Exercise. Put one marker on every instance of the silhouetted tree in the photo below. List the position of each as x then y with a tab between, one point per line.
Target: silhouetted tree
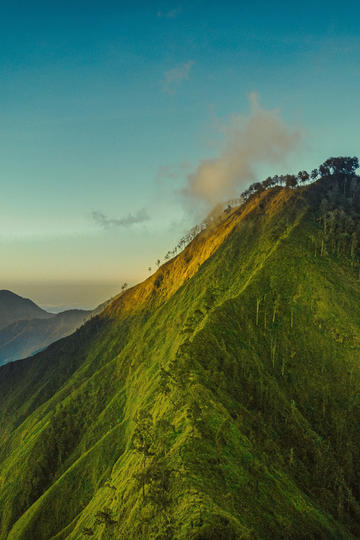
276	180
324	169
257	186
341	165
290	180
303	176
267	183
253	188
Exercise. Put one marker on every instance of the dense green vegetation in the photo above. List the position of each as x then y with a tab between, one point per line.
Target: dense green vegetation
219	399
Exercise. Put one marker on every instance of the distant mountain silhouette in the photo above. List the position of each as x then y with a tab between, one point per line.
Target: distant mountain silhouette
26	329
26	337
15	308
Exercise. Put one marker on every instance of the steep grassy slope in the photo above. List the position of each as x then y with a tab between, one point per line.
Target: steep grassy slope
25	337
218	399
15	308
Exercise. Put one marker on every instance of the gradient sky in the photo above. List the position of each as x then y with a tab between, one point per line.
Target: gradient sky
107	107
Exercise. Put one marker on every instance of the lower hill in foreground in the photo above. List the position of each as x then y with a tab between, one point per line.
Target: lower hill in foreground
219	399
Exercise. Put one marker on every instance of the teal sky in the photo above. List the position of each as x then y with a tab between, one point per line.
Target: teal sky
107	107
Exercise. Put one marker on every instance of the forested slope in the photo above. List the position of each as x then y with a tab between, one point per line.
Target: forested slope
218	399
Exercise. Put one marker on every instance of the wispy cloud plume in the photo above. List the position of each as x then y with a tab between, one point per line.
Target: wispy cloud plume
170	14
108	223
260	138
174	76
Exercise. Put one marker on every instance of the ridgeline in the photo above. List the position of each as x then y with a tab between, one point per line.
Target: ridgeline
218	399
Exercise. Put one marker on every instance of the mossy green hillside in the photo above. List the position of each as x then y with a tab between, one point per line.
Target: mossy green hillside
218	399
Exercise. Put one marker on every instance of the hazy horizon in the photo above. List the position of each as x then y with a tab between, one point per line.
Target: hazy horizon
60	296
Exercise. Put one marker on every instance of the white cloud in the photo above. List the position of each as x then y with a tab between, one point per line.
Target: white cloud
260	138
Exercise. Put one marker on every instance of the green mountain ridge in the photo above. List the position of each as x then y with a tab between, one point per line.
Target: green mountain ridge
217	399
